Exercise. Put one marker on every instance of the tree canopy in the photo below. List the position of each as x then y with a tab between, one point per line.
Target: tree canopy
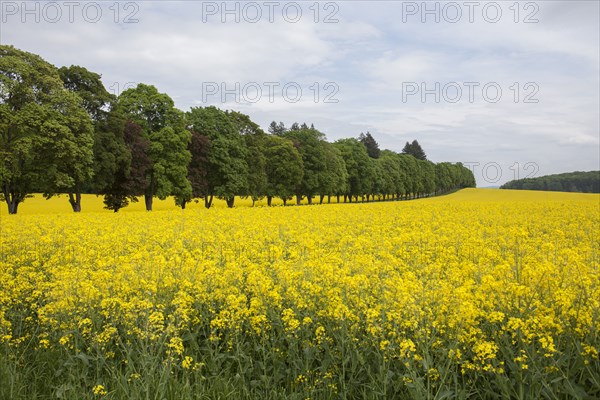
61	131
415	150
164	127
46	135
370	144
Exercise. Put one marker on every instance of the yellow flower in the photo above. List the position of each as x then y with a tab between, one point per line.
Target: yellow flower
176	346
433	374
289	320
590	351
134	377
453	275
65	340
99	390
187	362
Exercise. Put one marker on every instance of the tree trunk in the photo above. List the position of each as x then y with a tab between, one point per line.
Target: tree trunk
12	199
253	201
148	201
269	199
329	199
75	201
321	199
285	202
298	199
208	201
12	205
230	201
309	199
183	203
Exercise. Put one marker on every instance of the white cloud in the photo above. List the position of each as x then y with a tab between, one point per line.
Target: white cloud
368	54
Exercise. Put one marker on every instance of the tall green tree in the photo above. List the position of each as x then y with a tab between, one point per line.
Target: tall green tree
73	159
227	166
393	180
284	168
415	150
129	179
468	179
334	181
371	144
277	128
112	155
110	151
411	172
165	128
254	140
443	177
198	168
427	177
257	167
360	168
46	136
311	146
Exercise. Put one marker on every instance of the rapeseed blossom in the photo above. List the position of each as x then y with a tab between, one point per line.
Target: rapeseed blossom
483	281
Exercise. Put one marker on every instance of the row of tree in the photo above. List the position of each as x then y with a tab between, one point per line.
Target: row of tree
62	132
585	182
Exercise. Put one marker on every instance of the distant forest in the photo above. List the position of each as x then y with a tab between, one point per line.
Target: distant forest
584	182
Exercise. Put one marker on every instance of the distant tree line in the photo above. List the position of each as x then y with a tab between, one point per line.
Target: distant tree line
584	182
61	131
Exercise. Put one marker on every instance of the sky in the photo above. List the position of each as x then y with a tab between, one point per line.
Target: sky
511	89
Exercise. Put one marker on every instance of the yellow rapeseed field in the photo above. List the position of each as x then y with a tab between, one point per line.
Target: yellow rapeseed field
481	293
